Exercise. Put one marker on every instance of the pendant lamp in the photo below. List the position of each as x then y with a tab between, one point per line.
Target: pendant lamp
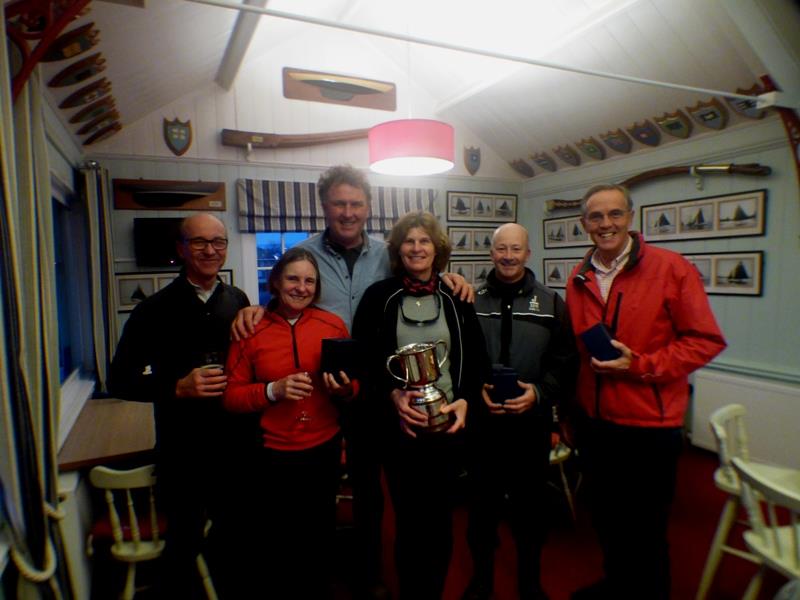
411	147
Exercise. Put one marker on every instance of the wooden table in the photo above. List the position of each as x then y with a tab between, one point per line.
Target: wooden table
106	431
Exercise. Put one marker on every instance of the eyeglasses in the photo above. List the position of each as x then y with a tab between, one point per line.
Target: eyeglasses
420	322
595	218
199	243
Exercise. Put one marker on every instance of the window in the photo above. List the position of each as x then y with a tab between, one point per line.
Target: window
270	247
72	287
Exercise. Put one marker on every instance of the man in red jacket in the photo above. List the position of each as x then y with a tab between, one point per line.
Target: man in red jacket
631	408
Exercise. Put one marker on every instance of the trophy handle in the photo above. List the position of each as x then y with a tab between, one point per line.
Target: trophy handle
389	368
444	356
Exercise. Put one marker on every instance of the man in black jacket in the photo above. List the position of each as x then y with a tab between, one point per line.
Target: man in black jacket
171	353
526	329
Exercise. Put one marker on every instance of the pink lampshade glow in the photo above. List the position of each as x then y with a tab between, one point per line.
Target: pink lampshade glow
411	147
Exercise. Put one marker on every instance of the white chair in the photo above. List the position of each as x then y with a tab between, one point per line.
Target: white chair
136	538
728	426
558	456
772	539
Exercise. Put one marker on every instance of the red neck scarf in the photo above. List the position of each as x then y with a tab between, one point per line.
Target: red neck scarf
415	287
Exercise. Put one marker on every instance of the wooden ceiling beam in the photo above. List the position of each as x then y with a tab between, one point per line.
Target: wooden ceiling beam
243	31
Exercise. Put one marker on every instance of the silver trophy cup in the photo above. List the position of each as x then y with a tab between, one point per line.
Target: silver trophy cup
421	370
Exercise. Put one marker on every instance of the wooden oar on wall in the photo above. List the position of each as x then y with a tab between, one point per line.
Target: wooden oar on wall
249	139
696	170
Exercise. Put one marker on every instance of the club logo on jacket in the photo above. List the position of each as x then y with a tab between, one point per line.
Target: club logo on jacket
533	305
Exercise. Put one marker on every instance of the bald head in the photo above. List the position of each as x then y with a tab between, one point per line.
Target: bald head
203	247
510	252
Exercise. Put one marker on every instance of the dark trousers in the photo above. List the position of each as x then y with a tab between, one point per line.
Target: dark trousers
295	524
366	450
508	473
630	477
422	474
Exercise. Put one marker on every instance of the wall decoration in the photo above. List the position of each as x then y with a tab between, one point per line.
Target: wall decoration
141	194
95	109
98	123
79	71
645	132
253	139
711	114
568	155
472	159
132	288
490	208
557	270
178	135
617	141
521	167
748	108
676	124
545	161
592	148
474	271
314	86
565	233
71	43
470	240
105	132
733	215
730	273
88	93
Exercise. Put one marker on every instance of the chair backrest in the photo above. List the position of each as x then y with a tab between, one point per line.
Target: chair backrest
730	433
122	484
781	540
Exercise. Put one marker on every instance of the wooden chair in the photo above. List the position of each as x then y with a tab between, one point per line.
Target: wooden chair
730	433
136	538
776	544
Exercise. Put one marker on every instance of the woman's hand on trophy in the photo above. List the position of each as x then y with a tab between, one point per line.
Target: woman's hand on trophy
459	409
344	390
296	386
409	416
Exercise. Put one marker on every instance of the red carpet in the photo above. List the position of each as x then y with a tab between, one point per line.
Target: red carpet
572	557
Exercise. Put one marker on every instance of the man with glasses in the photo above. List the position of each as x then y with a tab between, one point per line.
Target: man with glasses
171	353
631	408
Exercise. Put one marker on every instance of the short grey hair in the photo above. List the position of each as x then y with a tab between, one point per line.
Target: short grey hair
606	187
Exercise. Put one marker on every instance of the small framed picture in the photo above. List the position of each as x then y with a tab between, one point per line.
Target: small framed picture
474	271
732	215
489	208
730	273
467	240
132	288
557	270
565	232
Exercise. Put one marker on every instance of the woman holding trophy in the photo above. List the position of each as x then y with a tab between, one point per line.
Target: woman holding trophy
427	363
276	371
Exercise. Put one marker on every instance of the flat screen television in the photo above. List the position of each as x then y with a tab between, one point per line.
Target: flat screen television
154	241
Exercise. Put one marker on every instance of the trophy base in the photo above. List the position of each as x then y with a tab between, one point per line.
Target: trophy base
431	404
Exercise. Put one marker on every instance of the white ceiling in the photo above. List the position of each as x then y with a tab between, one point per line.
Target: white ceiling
159	53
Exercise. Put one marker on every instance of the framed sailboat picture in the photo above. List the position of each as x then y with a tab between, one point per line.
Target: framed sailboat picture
472	241
487	208
730	273
565	233
732	215
557	270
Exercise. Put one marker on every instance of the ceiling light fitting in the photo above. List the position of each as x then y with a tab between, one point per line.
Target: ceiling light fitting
411	147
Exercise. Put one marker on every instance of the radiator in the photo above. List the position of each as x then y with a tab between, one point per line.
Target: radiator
773	414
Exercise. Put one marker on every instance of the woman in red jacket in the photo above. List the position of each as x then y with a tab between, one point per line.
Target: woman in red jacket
276	372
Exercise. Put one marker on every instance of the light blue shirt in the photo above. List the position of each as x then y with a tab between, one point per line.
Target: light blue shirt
341	293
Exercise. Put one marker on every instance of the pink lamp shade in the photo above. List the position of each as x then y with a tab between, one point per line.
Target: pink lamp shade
411	147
